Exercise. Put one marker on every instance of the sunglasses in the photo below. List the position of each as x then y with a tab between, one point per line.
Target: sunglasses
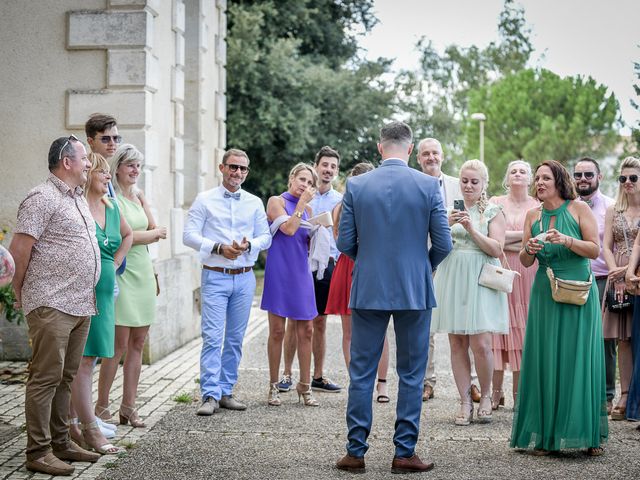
72	138
632	178
587	175
234	168
107	138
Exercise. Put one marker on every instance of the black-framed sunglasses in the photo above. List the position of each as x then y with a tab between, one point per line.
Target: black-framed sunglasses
72	138
234	168
587	175
107	138
631	178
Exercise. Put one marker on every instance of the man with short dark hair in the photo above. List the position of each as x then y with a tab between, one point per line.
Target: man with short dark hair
388	217
326	164
228	227
102	134
57	268
587	178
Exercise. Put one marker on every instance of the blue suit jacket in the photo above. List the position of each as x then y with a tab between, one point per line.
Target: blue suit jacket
388	215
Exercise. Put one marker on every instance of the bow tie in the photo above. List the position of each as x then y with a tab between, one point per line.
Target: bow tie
235	196
589	202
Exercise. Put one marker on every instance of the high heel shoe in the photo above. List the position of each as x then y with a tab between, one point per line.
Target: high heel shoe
484	414
465	414
619	412
130	415
497	400
273	399
304	394
104	449
103	413
381	388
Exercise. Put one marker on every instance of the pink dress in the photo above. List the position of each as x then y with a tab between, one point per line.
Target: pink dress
507	349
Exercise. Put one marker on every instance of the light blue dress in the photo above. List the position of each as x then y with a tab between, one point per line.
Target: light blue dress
464	306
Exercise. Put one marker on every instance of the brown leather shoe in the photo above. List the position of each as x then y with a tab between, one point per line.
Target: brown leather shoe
76	453
49	464
351	464
427	393
410	465
475	393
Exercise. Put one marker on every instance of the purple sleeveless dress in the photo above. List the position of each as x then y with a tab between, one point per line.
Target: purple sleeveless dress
288	282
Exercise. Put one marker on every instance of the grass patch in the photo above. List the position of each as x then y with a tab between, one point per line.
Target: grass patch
127	444
259	281
184	397
196	380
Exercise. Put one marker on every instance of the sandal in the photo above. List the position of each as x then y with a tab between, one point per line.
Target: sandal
130	417
382	391
595	451
103	413
484	415
540	452
497	399
305	395
619	412
273	398
104	449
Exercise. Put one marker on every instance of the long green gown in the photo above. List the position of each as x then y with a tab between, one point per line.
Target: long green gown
561	399
100	342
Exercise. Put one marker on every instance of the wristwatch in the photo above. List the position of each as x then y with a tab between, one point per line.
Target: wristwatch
297	213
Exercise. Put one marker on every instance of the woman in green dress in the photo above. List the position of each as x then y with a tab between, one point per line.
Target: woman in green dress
114	239
136	302
561	400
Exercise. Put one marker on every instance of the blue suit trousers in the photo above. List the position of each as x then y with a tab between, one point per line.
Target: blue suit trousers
412	344
226	305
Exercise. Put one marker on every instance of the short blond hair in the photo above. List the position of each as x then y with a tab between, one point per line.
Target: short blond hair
299	167
125	154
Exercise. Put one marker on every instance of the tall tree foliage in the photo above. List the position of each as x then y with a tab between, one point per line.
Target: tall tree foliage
635	132
537	115
437	95
295	83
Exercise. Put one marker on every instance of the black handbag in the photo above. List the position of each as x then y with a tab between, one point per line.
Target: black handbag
613	304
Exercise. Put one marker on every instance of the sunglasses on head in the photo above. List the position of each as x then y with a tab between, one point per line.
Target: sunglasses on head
632	178
107	138
72	138
234	168
587	175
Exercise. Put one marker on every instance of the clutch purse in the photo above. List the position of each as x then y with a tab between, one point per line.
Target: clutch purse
613	304
497	277
574	292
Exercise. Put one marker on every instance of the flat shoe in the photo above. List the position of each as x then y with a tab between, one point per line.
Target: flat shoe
49	464
77	454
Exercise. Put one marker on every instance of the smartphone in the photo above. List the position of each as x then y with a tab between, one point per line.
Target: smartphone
458	205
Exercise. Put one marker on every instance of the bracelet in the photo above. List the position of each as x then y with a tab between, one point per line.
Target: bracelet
526	250
571	245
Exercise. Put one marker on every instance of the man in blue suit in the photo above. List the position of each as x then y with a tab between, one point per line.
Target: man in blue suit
388	216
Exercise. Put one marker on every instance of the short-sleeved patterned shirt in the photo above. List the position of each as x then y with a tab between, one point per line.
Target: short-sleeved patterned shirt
65	260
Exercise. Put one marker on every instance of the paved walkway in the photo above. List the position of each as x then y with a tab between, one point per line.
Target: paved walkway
292	441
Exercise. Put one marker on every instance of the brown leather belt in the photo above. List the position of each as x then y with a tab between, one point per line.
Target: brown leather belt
228	271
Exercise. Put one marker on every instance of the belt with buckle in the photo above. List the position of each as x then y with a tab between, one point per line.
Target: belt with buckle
228	271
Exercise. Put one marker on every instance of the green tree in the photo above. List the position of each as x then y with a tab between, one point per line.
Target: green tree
635	132
537	115
437	95
296	84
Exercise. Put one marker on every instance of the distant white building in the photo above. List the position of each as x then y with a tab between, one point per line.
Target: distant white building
158	66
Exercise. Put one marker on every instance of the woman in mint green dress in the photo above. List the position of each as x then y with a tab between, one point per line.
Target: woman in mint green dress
561	400
136	302
114	239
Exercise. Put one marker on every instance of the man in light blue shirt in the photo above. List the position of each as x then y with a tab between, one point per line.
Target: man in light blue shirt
326	163
228	227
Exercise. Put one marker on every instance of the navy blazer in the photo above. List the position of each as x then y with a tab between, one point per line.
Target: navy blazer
388	216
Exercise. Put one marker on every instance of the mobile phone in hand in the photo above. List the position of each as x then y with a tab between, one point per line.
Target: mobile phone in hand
458	205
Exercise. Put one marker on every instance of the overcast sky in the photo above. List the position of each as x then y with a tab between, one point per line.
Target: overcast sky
586	37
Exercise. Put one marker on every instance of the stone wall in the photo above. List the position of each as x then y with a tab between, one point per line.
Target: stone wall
158	66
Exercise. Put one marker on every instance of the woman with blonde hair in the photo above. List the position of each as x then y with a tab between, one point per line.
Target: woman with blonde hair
620	232
470	313
288	284
507	349
136	302
114	239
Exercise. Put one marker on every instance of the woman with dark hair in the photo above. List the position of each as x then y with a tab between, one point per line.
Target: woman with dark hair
561	399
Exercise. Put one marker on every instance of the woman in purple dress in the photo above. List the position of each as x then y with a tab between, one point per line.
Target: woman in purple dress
288	282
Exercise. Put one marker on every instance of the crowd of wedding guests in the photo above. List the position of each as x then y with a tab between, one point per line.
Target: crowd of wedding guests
549	226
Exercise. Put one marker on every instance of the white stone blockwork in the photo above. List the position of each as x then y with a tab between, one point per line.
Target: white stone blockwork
222	5
177	227
204	35
127	68
179	118
203	161
132	109
180	49
178	189
109	29
147	142
221	106
177	155
177	85
128	3
221	50
179	16
222	134
217	161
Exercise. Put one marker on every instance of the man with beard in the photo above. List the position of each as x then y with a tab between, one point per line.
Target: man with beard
587	177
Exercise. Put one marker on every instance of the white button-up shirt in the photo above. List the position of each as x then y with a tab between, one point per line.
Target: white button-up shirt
214	218
325	202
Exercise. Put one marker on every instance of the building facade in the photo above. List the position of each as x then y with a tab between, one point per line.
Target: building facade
157	66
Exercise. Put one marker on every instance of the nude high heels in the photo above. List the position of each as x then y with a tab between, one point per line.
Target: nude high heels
305	395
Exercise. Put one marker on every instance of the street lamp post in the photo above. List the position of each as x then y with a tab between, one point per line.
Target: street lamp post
481	117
